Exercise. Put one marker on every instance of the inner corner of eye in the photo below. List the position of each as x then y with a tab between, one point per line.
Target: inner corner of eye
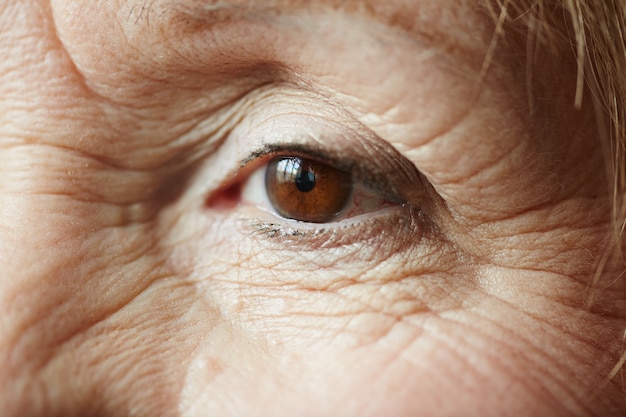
225	198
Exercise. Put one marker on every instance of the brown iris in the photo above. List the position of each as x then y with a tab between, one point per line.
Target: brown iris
306	190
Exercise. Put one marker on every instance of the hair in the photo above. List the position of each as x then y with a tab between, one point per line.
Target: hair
595	30
600	26
599	29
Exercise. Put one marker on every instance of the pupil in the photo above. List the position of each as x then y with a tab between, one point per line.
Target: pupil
305	179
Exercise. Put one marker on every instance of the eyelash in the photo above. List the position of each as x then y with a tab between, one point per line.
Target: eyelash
374	180
384	233
398	223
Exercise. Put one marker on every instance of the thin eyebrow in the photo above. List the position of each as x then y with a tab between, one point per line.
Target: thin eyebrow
214	10
431	22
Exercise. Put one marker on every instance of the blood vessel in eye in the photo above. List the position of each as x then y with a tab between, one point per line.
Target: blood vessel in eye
307	190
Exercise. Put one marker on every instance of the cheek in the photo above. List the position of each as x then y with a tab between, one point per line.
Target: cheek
414	332
291	344
88	300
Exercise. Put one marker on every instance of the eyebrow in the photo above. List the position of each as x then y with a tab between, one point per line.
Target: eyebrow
445	24
210	10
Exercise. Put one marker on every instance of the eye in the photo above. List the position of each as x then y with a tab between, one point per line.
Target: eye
306	190
311	191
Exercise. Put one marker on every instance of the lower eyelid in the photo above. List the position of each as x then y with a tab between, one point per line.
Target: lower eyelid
289	227
393	228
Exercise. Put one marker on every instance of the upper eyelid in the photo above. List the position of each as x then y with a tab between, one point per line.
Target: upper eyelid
334	136
312	126
362	174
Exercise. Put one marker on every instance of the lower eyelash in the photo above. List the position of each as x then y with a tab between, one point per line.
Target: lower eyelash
397	226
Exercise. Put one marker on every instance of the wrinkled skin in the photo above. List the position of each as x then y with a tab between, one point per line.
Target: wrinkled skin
136	281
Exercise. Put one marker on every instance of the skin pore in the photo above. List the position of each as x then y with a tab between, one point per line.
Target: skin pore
144	271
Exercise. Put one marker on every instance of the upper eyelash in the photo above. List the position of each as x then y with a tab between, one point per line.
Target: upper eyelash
374	181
